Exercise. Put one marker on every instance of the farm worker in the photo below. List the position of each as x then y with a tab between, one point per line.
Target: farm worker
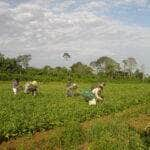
93	95
71	89
31	87
15	86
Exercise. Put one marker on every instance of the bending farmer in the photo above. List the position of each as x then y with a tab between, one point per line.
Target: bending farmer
93	95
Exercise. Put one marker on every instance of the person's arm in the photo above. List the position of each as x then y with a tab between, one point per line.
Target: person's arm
96	92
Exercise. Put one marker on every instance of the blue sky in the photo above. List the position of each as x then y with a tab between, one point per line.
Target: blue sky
87	29
131	15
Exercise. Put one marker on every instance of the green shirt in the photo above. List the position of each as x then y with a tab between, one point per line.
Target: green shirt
88	94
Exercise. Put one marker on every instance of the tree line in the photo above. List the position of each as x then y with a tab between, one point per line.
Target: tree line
104	68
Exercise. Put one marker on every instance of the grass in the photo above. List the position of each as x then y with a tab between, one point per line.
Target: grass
116	131
25	114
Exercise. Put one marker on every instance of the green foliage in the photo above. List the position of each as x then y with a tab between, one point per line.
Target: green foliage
145	136
81	69
9	65
23	60
72	136
106	69
24	114
130	64
115	135
106	64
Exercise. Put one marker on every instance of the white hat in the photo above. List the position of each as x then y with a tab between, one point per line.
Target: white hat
34	83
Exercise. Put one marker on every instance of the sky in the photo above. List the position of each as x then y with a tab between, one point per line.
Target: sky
86	29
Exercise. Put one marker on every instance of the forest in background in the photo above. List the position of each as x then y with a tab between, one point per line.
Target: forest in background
103	69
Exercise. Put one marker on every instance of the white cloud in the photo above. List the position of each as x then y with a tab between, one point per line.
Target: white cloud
139	3
42	3
4	7
35	29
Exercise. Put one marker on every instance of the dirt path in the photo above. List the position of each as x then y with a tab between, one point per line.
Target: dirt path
138	122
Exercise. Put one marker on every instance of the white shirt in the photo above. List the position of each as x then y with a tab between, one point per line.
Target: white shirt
95	92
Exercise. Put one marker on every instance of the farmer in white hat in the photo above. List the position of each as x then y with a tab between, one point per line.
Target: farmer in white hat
31	87
71	89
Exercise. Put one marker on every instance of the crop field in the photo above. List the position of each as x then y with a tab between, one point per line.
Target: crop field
71	123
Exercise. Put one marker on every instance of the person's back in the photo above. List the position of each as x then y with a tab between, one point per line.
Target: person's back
31	87
71	89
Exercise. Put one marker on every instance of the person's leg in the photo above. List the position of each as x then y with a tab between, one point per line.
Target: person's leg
26	89
100	99
15	91
34	92
69	93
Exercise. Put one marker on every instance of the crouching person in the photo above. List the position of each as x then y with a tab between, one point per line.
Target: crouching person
93	95
71	89
31	87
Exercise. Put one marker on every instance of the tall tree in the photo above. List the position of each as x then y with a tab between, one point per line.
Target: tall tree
1	55
107	64
23	60
143	71
81	69
130	65
125	64
66	56
9	65
94	66
2	58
